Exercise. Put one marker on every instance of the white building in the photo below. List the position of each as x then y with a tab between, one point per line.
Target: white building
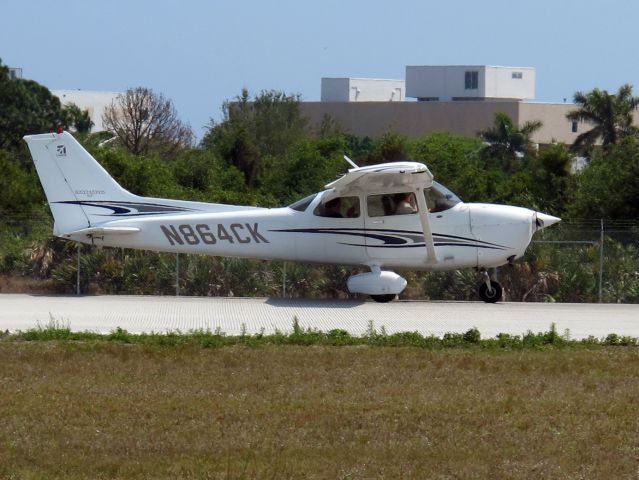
94	102
362	90
461	99
469	82
15	73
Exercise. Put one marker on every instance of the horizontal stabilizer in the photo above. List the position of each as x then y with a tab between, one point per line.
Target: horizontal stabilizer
101	231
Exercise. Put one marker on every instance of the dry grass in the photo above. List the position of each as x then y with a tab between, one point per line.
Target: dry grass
18	284
104	410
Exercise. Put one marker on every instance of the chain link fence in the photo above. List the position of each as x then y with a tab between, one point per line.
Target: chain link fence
573	261
591	254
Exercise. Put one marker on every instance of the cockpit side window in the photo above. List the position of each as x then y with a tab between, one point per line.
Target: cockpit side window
439	198
389	204
339	207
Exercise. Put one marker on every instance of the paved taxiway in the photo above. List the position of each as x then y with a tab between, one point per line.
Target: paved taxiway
161	314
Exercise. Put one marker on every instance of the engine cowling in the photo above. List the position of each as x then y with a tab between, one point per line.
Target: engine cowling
376	283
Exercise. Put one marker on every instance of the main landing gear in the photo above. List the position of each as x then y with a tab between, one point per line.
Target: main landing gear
490	290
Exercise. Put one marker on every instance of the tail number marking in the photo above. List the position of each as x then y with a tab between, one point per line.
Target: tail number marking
210	235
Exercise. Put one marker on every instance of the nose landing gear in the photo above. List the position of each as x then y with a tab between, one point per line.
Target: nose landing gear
490	290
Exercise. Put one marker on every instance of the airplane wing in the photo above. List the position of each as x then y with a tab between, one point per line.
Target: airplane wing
386	175
413	175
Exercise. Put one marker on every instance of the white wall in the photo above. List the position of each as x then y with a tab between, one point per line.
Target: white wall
442	81
94	102
501	84
362	90
446	82
335	89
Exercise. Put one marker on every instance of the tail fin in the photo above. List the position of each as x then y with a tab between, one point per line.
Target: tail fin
73	181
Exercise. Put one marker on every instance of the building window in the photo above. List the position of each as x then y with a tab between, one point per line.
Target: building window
574	127
518	75
472	80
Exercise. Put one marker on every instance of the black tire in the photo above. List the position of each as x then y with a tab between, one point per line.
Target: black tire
384	298
490	297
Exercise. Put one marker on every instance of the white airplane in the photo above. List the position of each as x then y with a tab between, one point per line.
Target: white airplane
384	216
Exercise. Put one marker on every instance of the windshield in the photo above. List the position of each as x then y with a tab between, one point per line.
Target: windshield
439	198
303	204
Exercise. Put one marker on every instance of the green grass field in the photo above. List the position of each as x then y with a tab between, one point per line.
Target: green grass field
101	409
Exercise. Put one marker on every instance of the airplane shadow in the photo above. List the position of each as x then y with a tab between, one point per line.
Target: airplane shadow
309	303
274	302
61	295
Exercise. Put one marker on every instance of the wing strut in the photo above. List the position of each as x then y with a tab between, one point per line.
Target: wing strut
428	233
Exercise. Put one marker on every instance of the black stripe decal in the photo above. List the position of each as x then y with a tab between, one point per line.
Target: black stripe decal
128	209
399	238
421	245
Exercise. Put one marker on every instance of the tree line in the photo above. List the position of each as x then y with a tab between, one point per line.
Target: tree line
263	152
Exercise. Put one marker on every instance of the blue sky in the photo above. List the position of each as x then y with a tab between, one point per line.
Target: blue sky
199	53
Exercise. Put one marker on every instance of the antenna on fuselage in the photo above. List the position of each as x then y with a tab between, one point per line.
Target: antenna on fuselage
350	161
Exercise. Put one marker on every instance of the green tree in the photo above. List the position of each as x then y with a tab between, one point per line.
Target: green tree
79	119
508	142
270	125
360	148
390	147
205	177
551	181
19	187
26	107
146	176
302	171
454	161
608	187
611	116
460	163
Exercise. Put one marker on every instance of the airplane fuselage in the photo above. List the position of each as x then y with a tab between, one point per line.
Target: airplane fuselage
466	235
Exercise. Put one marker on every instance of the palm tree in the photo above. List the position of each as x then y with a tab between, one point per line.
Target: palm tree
610	115
507	141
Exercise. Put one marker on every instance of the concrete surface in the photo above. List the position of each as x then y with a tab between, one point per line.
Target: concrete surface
161	314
